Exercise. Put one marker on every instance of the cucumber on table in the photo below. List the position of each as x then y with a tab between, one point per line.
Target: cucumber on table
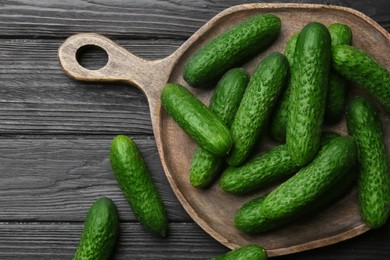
324	179
134	180
226	98
202	125
247	252
278	123
337	89
309	81
359	67
374	186
100	232
230	48
264	88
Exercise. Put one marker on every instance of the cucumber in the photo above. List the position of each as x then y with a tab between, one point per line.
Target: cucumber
134	180
251	220
202	125
263	90
309	81
337	87
228	94
230	48
226	98
278	123
374	186
100	232
247	252
334	159
268	168
359	67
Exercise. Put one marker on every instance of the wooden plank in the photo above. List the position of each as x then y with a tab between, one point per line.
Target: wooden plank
37	97
55	179
59	241
133	19
185	241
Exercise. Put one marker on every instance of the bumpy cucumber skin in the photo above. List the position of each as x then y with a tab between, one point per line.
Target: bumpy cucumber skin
357	66
309	79
268	168
247	252
251	220
279	118
231	48
134	180
100	232
337	87
334	159
374	186
226	98
228	94
264	88
202	125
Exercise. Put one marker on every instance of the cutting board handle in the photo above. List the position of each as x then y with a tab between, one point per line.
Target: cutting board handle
122	65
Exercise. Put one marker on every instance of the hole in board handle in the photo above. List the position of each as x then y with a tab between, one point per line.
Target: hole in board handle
92	57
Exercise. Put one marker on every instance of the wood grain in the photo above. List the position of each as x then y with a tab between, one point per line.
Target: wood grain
134	19
51	179
37	97
58	241
47	241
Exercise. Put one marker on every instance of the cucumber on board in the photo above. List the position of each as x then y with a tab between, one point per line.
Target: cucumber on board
337	89
309	82
267	168
359	67
100	232
226	98
334	160
231	48
250	219
247	252
364	125
322	180
279	118
261	95
134	180
201	124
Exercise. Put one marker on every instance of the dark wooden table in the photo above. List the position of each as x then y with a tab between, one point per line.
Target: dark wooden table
56	132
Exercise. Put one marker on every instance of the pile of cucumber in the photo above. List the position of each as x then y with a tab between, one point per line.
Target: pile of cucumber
289	96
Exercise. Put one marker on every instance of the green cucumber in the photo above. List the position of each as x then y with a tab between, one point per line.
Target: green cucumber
359	67
374	186
278	123
230	48
100	232
224	103
264	88
309	81
134	180
228	94
268	168
202	125
247	252
337	88
323	180
334	159
250	219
